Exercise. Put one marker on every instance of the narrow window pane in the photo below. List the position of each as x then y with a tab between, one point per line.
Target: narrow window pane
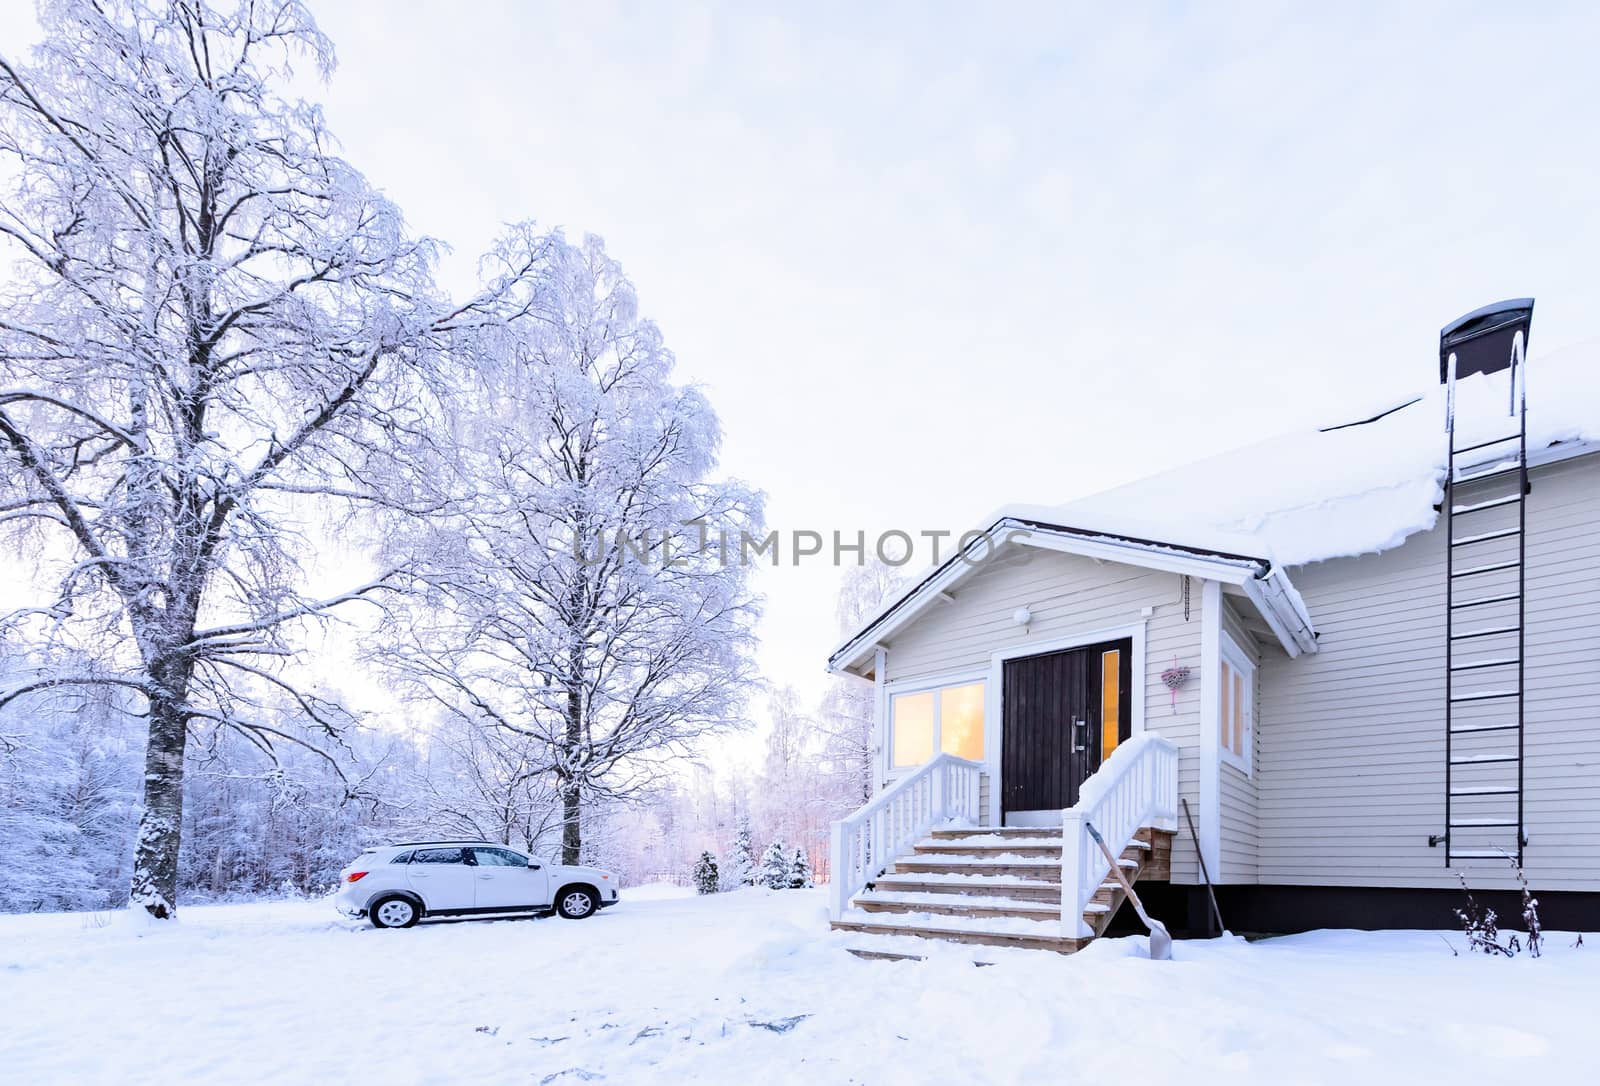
1238	714
913	729
961	721
1110	701
1227	714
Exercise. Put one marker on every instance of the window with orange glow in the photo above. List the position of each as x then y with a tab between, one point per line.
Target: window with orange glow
1235	710
948	719
1110	701
961	721
913	729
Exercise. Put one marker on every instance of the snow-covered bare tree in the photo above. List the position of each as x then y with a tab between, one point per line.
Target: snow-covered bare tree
67	797
845	717
792	801
603	659
485	783
215	332
253	824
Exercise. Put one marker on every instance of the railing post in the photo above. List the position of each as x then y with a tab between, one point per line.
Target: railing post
1074	874
882	826
936	798
841	873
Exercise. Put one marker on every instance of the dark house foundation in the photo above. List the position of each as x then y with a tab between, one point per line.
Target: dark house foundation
1282	910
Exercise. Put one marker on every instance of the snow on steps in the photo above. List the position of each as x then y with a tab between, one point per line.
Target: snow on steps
1025	847
958	905
1003	931
1039	870
965	884
986	887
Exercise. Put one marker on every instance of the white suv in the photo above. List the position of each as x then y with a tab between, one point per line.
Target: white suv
397	885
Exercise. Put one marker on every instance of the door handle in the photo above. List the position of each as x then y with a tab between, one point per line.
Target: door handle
1077	746
486	876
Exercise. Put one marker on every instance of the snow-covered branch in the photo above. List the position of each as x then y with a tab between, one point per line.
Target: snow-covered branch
598	670
218	332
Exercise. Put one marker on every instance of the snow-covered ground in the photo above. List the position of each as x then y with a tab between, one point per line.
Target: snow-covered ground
750	987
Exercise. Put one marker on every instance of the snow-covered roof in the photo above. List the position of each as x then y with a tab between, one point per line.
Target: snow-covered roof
1350	488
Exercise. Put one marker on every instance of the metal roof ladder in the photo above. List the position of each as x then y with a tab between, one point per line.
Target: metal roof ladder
1485	516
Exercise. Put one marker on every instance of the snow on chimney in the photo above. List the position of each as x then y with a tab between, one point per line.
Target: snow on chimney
1481	340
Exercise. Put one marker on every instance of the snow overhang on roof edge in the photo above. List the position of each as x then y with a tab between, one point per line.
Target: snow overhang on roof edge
1267	586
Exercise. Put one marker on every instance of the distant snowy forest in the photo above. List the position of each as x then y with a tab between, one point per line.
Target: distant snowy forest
244	432
283	825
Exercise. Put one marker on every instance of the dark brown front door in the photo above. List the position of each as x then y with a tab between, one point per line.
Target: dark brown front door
1061	714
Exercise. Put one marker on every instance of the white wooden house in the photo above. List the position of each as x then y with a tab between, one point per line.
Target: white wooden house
1359	680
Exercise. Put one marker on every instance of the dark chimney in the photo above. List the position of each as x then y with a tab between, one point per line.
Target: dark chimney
1481	340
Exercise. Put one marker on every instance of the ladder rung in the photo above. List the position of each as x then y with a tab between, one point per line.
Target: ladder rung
1483	790
1485	444
1493	503
1492	567
1469	729
1473	823
1486	695
1479	664
1492	473
1483	759
1488	600
1484	537
1488	631
1480	854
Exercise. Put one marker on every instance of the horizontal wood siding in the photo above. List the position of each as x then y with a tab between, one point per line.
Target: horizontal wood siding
1240	824
1351	745
1069	595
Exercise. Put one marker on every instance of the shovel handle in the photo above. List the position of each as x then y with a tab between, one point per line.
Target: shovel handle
1116	869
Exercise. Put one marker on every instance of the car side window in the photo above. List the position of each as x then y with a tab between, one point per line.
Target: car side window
437	856
402	858
498	857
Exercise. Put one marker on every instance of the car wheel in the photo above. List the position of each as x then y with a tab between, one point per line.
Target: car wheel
394	912
576	902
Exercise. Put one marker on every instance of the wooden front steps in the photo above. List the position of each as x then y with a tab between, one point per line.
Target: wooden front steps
1020	910
932	930
999	888
969	886
1041	870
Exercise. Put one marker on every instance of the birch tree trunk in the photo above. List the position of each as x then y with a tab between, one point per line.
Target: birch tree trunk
155	861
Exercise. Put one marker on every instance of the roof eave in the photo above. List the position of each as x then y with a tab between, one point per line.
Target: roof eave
1278	603
1288	622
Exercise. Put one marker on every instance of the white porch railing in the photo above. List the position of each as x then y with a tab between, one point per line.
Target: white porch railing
943	790
1136	787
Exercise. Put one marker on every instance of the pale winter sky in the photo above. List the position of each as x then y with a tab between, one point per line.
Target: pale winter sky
929	259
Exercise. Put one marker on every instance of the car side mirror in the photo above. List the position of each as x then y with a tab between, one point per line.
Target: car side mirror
533	865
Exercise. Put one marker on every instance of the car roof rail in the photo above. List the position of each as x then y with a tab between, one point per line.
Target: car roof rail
416	844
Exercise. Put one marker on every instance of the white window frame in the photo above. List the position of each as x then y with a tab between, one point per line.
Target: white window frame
1236	658
922	686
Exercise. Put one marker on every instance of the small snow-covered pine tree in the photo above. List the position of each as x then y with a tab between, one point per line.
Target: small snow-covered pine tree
775	867
743	870
706	880
800	871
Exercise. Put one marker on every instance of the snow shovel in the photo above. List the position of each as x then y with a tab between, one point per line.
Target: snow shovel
1160	940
